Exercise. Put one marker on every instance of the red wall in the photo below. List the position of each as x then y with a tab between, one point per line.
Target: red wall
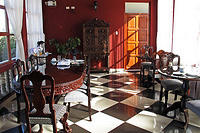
60	23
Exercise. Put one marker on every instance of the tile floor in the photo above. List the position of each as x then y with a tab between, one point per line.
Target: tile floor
119	105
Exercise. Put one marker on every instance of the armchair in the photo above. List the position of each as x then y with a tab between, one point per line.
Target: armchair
147	61
169	63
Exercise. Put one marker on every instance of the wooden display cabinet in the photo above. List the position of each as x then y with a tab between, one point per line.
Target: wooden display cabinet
96	43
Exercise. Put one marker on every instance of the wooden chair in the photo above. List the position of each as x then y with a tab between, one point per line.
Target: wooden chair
169	63
18	69
156	65
32	63
44	112
147	62
83	93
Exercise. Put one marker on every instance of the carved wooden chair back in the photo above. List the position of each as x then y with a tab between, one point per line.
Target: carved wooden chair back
174	62
17	71
169	62
38	98
44	112
146	51
156	57
21	67
163	62
32	63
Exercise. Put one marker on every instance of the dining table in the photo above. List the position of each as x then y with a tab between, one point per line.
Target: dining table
67	78
186	77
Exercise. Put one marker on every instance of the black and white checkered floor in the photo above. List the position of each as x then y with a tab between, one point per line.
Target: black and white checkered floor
119	105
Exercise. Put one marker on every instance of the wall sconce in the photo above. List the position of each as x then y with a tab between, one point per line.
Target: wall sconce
95	4
70	8
50	3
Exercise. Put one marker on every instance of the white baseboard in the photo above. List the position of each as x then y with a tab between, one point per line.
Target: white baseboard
113	70
133	70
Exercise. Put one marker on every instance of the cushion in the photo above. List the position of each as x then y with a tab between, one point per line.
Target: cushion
194	106
171	84
75	96
59	109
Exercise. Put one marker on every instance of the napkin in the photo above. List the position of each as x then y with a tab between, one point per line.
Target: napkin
77	61
64	63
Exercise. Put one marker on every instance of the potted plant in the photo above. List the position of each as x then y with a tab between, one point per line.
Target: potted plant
61	48
64	49
72	43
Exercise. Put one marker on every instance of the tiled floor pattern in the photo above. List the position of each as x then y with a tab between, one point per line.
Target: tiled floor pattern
119	105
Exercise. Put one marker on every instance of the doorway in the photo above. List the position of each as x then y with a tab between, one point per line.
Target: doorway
136	32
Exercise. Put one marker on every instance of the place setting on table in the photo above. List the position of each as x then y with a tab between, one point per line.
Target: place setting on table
64	63
190	72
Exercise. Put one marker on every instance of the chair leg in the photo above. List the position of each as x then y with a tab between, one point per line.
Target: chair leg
18	108
175	97
68	107
166	97
89	106
66	127
143	75
140	75
41	129
153	80
54	122
161	92
186	118
28	123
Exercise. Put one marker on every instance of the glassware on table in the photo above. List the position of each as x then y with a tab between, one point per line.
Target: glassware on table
53	61
59	58
74	58
181	69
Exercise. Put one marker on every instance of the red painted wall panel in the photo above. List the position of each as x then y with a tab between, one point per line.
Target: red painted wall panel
60	23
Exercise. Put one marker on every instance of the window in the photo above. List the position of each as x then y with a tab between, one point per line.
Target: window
7	38
165	18
184	37
34	22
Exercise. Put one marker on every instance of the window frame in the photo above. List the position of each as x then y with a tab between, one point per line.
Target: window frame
5	65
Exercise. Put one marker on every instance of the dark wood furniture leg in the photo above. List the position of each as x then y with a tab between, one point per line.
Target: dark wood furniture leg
179	104
18	108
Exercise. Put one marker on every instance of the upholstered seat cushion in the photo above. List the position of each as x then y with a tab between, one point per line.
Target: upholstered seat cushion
76	96
194	106
171	84
59	109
